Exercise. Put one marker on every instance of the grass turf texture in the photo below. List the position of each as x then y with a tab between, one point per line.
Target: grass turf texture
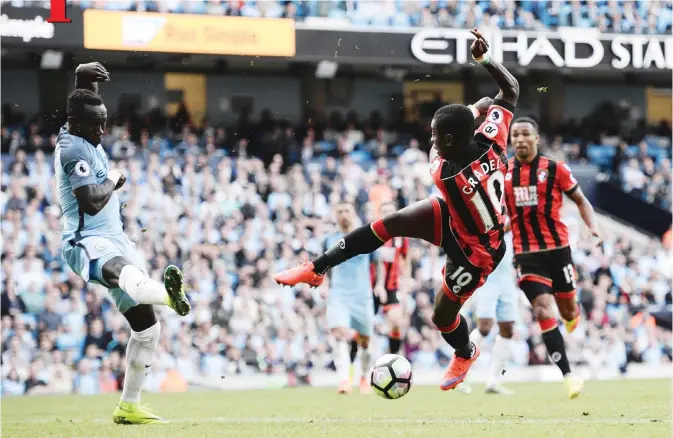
606	409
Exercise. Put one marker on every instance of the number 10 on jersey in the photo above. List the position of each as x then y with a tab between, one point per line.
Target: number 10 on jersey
495	197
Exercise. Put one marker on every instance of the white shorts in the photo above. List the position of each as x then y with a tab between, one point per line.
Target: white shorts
497	298
357	314
87	256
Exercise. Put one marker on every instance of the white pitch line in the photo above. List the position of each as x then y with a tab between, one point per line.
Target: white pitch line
280	420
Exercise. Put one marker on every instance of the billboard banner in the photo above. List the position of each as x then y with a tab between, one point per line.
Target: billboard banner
185	33
28	27
565	48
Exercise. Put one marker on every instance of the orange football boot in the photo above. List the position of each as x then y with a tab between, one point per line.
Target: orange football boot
345	387
457	370
300	274
364	386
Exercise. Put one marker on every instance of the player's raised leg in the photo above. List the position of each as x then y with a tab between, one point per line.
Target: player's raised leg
119	272
416	221
135	292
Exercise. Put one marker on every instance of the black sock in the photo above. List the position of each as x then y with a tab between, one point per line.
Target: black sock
361	241
459	339
354	350
394	344
556	349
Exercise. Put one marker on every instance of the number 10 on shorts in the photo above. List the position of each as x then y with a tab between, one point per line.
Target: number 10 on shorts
460	278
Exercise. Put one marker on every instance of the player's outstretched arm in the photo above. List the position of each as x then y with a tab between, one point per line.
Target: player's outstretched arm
509	86
88	75
92	198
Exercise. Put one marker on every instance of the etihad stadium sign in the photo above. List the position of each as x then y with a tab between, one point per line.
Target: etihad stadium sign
566	48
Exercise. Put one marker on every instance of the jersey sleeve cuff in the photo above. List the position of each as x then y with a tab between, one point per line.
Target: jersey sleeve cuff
508	106
571	190
82	183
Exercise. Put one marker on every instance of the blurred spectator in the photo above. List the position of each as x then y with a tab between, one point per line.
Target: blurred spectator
629	16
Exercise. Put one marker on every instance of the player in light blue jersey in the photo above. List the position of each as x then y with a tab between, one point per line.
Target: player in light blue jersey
496	301
94	244
350	303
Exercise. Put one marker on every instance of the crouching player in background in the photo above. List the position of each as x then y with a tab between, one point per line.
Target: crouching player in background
94	243
350	303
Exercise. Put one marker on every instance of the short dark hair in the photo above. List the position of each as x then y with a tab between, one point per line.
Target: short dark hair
527	120
79	98
457	120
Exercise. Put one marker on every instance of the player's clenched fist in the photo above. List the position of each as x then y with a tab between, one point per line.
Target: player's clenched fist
479	45
93	72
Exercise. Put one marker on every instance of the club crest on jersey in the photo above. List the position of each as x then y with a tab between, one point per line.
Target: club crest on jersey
525	196
541	175
508	177
495	115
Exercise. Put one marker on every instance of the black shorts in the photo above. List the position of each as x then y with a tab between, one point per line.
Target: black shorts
392	301
461	277
550	271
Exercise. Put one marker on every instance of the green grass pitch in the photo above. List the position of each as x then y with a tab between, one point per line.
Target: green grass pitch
606	409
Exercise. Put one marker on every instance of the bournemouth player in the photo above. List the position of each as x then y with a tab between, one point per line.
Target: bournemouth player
350	304
94	244
392	269
535	186
496	301
467	222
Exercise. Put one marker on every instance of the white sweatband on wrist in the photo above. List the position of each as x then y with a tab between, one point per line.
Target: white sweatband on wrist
114	175
475	111
483	59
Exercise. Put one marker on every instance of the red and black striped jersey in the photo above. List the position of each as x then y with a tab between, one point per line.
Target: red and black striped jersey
475	193
534	194
390	254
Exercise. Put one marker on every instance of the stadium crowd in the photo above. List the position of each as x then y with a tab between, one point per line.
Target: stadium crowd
631	16
231	207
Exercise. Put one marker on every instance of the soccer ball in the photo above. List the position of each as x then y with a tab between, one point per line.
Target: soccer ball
391	376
